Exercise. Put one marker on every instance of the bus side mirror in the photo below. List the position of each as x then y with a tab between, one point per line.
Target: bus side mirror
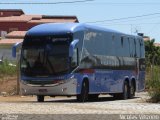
14	49
74	58
72	46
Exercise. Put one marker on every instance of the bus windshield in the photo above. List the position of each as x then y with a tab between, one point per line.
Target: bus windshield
47	59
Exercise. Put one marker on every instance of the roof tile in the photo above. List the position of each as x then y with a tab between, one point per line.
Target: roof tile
16	34
10	41
52	20
22	18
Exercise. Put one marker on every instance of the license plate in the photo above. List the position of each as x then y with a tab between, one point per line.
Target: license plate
43	90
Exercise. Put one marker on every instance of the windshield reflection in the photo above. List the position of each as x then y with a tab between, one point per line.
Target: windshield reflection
46	60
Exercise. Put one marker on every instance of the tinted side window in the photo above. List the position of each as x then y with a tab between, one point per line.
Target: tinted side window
132	47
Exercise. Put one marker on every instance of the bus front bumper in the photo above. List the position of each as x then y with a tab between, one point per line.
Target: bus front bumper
67	88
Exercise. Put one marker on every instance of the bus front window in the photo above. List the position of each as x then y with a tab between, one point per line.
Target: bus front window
46	60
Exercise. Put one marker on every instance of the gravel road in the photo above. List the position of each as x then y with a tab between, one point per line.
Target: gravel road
63	105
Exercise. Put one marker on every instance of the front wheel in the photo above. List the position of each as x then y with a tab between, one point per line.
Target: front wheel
83	97
40	98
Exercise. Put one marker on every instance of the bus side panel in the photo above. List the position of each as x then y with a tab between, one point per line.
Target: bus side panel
94	82
119	76
106	80
109	81
111	51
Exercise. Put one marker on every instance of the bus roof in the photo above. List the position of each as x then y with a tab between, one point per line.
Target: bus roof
61	28
54	28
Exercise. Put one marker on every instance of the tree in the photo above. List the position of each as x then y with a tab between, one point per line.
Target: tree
153	70
152	53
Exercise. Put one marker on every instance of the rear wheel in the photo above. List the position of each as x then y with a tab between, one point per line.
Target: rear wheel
40	98
125	94
132	90
83	97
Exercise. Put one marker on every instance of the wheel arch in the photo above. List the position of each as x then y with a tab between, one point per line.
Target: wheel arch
83	95
86	79
127	80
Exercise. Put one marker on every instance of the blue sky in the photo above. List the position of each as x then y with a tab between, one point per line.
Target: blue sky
99	10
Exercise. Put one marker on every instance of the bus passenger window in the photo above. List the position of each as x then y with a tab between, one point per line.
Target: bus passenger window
122	41
135	53
74	60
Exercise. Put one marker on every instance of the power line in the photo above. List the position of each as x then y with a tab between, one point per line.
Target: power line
153	28
100	21
129	3
129	20
69	2
79	1
131	24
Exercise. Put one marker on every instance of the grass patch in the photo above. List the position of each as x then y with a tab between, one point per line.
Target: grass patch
7	69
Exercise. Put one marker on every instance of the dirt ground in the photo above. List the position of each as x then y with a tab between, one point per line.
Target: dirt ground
63	105
140	98
8	86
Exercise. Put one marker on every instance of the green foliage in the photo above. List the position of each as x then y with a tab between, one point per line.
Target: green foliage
153	84
152	53
7	69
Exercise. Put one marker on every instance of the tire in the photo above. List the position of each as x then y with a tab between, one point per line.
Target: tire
93	97
125	94
83	97
40	98
132	90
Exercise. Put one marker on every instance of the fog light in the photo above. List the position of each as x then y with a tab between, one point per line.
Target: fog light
64	89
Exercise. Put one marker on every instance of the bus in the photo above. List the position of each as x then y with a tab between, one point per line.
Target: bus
76	59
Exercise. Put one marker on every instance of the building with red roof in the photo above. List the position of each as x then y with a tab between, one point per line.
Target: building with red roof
17	20
14	23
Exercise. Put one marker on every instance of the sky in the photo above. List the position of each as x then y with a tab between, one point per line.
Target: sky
128	16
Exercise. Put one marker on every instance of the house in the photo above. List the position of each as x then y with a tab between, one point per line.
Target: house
146	38
157	44
17	20
10	12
